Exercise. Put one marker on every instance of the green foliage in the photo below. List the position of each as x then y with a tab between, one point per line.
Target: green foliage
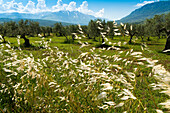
41	22
69	79
58	29
111	29
93	30
167	20
34	28
12	28
140	30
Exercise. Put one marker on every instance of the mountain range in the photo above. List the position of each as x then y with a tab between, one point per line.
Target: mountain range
41	22
146	12
75	17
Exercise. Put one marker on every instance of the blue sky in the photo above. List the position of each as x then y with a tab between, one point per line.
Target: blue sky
110	9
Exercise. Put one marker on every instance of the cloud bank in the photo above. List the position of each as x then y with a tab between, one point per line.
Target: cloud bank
31	7
146	2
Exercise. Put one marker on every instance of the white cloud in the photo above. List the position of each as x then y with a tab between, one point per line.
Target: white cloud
100	13
60	6
59	2
41	6
1	2
144	3
71	6
13	7
31	7
84	9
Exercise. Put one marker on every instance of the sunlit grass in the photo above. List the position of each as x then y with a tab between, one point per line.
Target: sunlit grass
59	77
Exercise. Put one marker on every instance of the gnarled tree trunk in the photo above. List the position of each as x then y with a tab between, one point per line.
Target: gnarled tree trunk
167	45
130	41
142	38
27	42
131	36
48	33
88	36
60	34
3	37
73	38
44	35
94	38
102	40
66	37
148	38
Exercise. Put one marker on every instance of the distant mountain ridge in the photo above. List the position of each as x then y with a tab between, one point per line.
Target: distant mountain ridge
74	17
147	11
41	22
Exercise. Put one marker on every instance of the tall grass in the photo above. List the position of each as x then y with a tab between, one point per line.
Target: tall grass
124	81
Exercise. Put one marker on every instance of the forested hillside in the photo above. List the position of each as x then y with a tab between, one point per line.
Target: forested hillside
148	11
41	22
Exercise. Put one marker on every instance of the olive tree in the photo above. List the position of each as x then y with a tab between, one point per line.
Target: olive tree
23	30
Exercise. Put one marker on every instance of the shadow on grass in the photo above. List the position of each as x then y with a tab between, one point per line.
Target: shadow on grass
134	43
122	47
161	52
147	44
102	46
30	48
73	42
156	44
107	46
95	40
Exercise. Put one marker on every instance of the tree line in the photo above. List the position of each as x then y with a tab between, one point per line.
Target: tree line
154	27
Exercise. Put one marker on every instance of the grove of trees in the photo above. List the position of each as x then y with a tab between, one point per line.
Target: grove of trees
158	26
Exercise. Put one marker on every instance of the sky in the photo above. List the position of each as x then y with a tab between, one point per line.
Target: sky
109	9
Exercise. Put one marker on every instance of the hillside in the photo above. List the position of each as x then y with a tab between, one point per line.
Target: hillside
41	22
147	11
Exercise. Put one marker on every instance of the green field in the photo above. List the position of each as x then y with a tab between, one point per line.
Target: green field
55	76
156	46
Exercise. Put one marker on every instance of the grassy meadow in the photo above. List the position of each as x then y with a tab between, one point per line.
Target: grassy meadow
54	76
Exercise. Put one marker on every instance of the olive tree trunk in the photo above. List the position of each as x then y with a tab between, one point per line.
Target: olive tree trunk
131	36
27	42
167	45
3	37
